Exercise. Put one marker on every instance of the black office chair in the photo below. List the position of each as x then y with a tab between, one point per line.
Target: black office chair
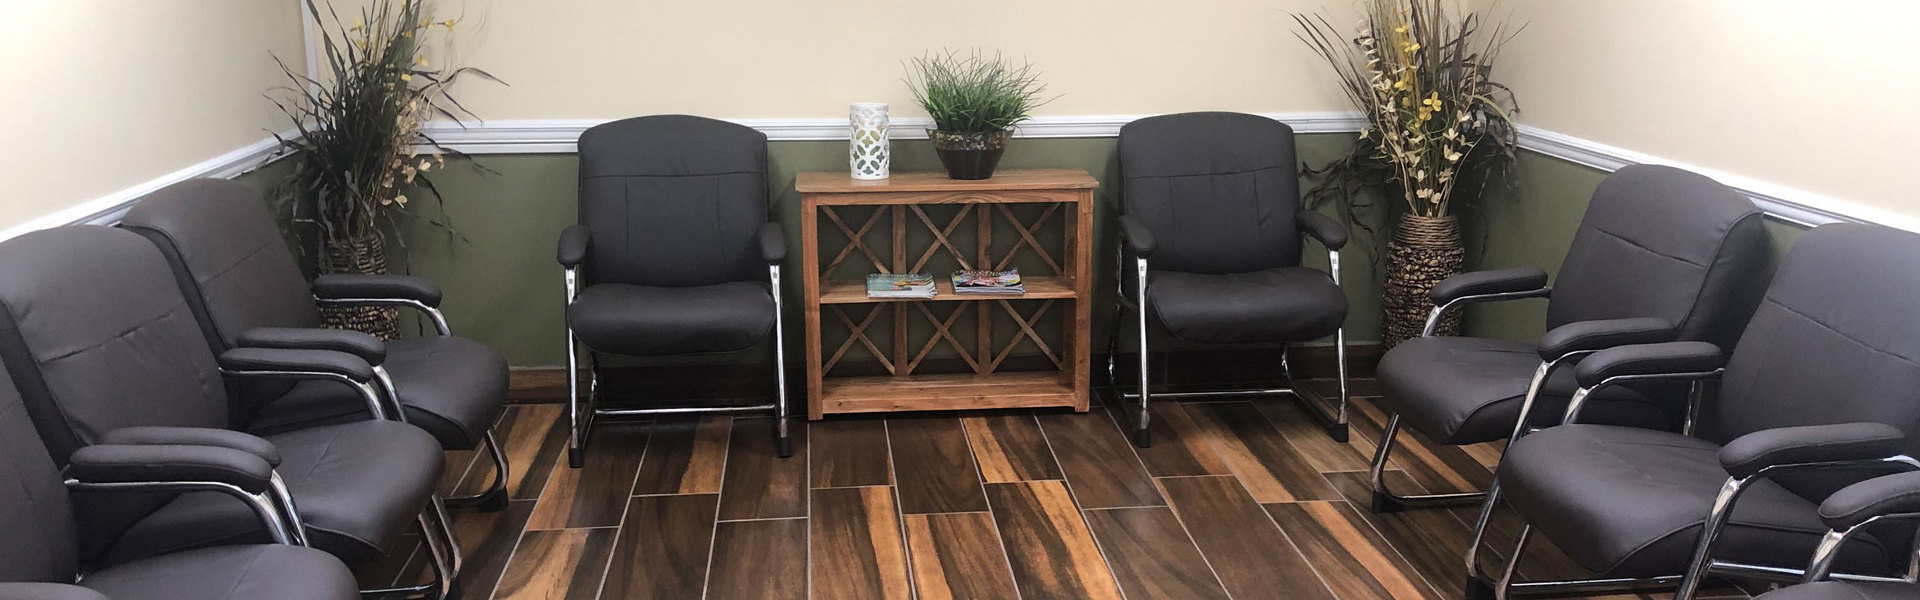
1847	513
40	540
1822	392
245	289
99	339
1660	255
1213	200
673	255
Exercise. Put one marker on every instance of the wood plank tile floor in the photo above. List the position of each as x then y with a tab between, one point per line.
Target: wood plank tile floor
1241	500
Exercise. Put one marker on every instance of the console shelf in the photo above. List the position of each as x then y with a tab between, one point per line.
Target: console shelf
901	204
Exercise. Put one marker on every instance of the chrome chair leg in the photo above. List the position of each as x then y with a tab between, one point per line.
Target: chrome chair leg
781	435
494	499
1142	434
1338	429
1504	588
576	417
1384	500
1709	531
1477	587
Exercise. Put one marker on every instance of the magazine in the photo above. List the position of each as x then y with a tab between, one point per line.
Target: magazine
988	282
909	285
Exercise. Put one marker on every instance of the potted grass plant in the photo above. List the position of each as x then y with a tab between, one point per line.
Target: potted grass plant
975	100
359	143
1438	127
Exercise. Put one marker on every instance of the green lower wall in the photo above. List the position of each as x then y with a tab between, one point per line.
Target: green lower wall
503	287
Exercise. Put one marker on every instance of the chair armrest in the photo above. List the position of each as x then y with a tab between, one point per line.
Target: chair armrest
277	360
194	436
1749	454
573	245
1888	495
113	463
1518	280
773	243
1584	336
346	288
1138	238
367	347
1667	358
47	591
1323	228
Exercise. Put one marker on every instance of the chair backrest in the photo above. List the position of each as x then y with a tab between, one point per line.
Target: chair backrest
1835	340
232	263
1662	242
228	257
98	337
37	536
673	200
1220	191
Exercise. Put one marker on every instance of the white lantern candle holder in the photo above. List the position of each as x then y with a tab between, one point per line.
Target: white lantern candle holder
868	153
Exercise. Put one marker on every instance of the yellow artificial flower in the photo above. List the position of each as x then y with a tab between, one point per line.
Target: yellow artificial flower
406	77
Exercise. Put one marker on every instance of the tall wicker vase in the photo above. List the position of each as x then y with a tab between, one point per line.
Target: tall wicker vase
366	255
1424	250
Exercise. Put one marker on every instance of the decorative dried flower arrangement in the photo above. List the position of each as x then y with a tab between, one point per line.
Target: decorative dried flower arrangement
359	144
1436	121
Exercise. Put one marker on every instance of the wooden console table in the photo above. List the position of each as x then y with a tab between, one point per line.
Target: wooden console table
1066	291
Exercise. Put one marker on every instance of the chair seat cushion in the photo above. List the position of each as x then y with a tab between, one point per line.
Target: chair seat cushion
252	572
1286	304
647	320
453	387
1467	390
357	485
1849	590
1627	502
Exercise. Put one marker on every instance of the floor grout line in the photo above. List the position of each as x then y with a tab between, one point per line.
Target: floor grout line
1079	510
1114	419
991	518
1276	524
899	514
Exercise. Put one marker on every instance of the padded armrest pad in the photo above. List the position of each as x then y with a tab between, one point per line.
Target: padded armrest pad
1138	238
342	286
1748	454
773	243
110	463
194	436
573	245
1649	359
367	347
1496	281
1581	336
47	591
1323	228
1887	495
305	361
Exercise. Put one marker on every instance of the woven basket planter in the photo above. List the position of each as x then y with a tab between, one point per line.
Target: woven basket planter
1424	251
367	255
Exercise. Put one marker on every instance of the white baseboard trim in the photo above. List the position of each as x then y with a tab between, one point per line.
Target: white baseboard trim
106	210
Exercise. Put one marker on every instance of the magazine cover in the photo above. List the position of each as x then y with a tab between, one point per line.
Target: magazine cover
908	284
1006	282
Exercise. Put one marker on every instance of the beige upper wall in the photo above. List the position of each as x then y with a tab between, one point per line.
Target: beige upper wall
1818	96
97	96
786	58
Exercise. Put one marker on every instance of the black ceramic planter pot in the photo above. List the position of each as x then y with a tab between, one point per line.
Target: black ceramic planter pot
972	154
